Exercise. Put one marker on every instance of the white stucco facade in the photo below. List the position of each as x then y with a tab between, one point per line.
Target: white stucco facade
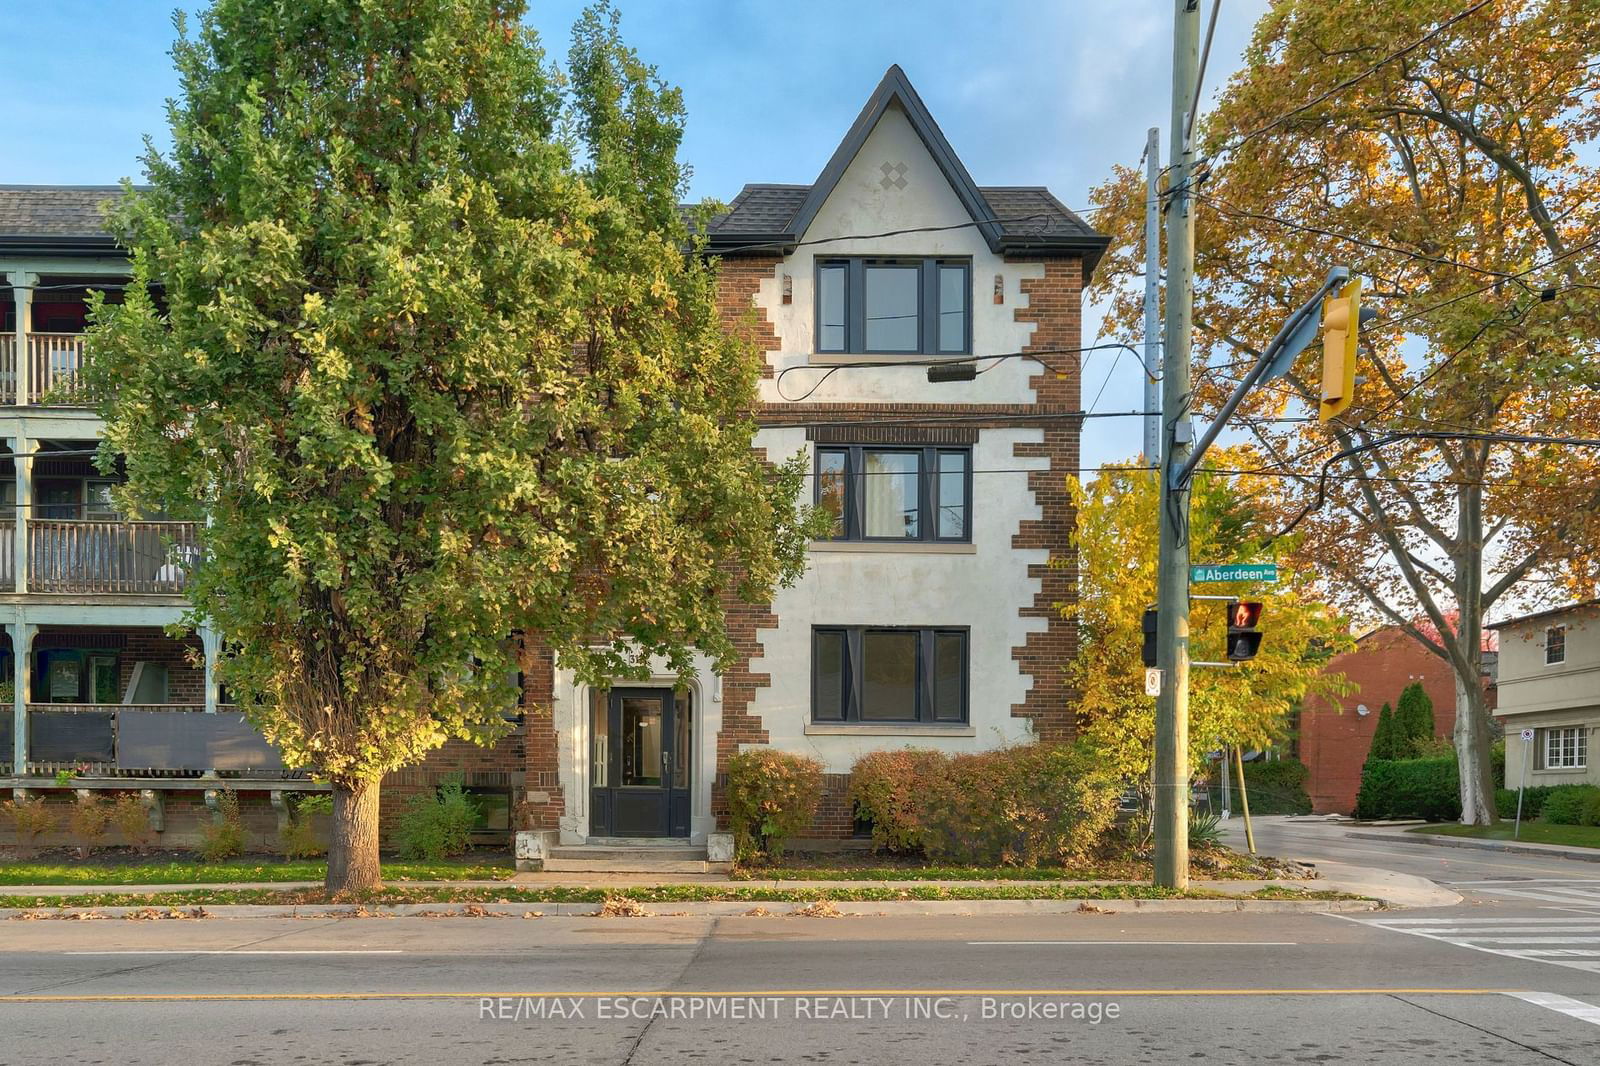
1535	693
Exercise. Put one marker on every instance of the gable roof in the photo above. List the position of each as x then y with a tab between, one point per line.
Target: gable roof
1541	615
1011	218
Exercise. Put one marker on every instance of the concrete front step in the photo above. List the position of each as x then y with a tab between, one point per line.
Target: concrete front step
632	858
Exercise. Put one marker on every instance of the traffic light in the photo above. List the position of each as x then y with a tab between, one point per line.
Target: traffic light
1149	650
1341	330
1244	640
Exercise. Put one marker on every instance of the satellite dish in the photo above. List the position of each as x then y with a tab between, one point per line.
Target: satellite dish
1361	709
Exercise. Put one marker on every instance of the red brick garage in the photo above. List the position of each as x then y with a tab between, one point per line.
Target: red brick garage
1335	736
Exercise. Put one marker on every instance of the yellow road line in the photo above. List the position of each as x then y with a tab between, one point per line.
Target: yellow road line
751	994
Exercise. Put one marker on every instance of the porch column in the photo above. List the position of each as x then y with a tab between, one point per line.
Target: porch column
211	641
22	684
22	462
22	283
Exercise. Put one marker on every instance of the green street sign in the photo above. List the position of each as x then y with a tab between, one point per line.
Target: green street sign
1233	572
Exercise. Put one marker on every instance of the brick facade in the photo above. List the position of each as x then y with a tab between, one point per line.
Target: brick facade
1054	303
1335	738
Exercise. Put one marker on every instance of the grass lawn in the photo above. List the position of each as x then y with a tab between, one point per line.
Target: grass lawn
1209	863
171	871
1582	836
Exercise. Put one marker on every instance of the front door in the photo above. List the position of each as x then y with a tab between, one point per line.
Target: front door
639	764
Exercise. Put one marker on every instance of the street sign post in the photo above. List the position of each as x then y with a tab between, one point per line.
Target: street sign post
1207	573
1527	757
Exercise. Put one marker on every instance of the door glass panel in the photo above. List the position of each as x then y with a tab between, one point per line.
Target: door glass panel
889	494
600	747
891	305
889	675
683	740
641	741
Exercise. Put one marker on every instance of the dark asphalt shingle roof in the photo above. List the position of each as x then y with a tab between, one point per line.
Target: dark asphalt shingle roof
1026	211
54	210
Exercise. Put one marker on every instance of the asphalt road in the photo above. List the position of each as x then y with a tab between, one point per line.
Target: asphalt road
1502	978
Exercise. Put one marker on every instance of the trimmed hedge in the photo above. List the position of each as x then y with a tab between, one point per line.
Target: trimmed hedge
1572	805
771	796
1533	800
1278	787
1036	804
1410	788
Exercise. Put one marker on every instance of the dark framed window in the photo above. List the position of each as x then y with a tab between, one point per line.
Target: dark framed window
1555	645
888	674
492	808
894	306
895	492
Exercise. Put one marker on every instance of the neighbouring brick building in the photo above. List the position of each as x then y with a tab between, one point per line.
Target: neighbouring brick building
1336	734
930	618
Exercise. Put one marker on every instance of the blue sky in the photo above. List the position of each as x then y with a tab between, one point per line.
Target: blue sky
1028	93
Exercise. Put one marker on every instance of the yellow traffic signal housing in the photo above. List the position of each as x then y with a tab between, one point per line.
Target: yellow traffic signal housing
1341	328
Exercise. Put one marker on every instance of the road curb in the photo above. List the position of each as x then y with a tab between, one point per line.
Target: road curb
719	909
1438	841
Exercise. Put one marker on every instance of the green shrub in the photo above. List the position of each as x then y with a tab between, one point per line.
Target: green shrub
1387	743
30	818
1205	830
89	818
1505	801
1566	803
433	827
772	796
1277	787
1035	804
1497	763
301	836
132	819
1591	810
887	789
223	837
1413	720
1410	788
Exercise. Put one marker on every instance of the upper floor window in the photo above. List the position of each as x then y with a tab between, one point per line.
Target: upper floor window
894	306
896	493
1555	645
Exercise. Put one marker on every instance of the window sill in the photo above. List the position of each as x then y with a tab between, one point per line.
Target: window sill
911	547
1559	771
887	729
883	358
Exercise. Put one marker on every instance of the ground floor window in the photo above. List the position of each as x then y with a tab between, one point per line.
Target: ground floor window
888	674
1566	748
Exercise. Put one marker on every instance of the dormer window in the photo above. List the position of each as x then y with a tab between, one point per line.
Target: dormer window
881	306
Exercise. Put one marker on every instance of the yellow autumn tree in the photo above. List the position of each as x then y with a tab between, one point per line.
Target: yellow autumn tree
1248	705
1444	151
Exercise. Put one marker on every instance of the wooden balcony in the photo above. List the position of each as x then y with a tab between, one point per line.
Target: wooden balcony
108	557
48	373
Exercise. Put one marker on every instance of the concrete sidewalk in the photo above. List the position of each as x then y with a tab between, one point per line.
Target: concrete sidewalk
1440	840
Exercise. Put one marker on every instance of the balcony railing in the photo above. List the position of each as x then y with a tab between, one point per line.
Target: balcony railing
140	740
48	373
108	557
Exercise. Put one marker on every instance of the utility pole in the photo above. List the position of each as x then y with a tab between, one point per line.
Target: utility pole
1152	298
1171	813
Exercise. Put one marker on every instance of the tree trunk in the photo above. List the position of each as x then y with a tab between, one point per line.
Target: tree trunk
1474	765
353	849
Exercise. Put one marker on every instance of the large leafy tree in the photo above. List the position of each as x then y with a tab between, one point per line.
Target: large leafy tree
1248	705
413	330
1444	151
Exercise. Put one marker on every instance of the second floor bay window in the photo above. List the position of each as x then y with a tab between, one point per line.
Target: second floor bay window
894	306
896	493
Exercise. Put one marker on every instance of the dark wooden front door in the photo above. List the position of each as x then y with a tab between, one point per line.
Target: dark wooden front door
639	764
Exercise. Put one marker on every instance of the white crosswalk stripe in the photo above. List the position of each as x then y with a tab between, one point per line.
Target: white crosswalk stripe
1571	893
1571	942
